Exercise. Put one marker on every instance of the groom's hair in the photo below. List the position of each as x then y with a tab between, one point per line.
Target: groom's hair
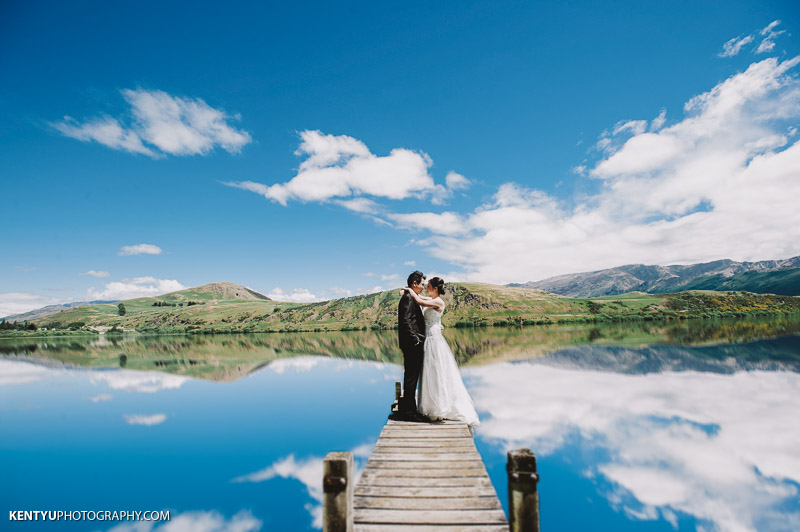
415	277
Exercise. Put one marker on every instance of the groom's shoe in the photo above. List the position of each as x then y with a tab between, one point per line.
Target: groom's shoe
416	417
400	416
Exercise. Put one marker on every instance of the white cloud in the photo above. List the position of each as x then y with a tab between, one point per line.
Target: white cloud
411	263
446	223
361	205
19	302
342	169
703	444
160	124
140	249
732	47
636	127
659	121
720	183
98	274
768	43
456	181
389	277
102	397
771	26
140	419
338	291
136	287
106	131
580	169
297	295
339	166
440	194
200	521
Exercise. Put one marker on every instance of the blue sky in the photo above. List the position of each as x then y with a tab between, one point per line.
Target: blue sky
311	151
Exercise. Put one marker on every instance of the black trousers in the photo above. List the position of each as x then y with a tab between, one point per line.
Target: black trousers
412	374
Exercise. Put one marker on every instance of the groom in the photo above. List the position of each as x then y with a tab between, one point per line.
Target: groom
411	333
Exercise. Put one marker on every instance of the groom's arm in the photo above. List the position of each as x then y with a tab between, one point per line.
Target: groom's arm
409	320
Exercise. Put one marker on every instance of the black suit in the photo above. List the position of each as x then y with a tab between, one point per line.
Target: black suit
411	334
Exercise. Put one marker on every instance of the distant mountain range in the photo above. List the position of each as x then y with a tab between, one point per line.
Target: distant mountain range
780	277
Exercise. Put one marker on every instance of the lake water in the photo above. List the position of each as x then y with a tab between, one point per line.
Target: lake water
689	426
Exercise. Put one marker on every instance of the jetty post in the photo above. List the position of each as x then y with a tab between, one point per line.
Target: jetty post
523	493
337	488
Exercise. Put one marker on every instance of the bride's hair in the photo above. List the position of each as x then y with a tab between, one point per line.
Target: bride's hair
438	283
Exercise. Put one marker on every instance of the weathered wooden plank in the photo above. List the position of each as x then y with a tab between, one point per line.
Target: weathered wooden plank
433	449
412	433
444	421
423	464
377	472
365	527
388	491
428	503
424	457
434	425
426	454
446	443
425	426
425	482
426	517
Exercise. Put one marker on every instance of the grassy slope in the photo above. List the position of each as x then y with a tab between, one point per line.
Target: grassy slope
468	304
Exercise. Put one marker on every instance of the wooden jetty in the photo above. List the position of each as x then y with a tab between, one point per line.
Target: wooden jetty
425	477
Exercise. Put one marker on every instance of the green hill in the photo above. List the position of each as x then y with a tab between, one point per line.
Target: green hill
225	307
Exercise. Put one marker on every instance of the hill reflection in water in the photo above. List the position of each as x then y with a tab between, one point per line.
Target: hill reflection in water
229	357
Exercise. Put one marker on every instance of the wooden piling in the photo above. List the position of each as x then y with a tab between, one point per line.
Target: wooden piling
337	487
523	493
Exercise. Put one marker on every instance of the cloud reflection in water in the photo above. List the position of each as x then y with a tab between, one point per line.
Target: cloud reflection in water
309	472
722	448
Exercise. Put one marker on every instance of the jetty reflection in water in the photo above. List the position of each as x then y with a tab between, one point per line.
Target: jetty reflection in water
629	437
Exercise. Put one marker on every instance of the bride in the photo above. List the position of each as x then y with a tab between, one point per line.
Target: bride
442	392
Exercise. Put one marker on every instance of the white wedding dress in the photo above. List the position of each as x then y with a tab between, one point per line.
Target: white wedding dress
442	391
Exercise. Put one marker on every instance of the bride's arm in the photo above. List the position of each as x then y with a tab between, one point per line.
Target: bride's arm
425	302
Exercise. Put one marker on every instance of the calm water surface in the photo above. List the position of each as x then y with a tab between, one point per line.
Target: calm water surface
228	433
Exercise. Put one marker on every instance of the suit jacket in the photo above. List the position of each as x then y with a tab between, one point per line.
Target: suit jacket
410	323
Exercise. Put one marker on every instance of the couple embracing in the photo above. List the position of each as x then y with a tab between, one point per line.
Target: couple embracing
427	358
